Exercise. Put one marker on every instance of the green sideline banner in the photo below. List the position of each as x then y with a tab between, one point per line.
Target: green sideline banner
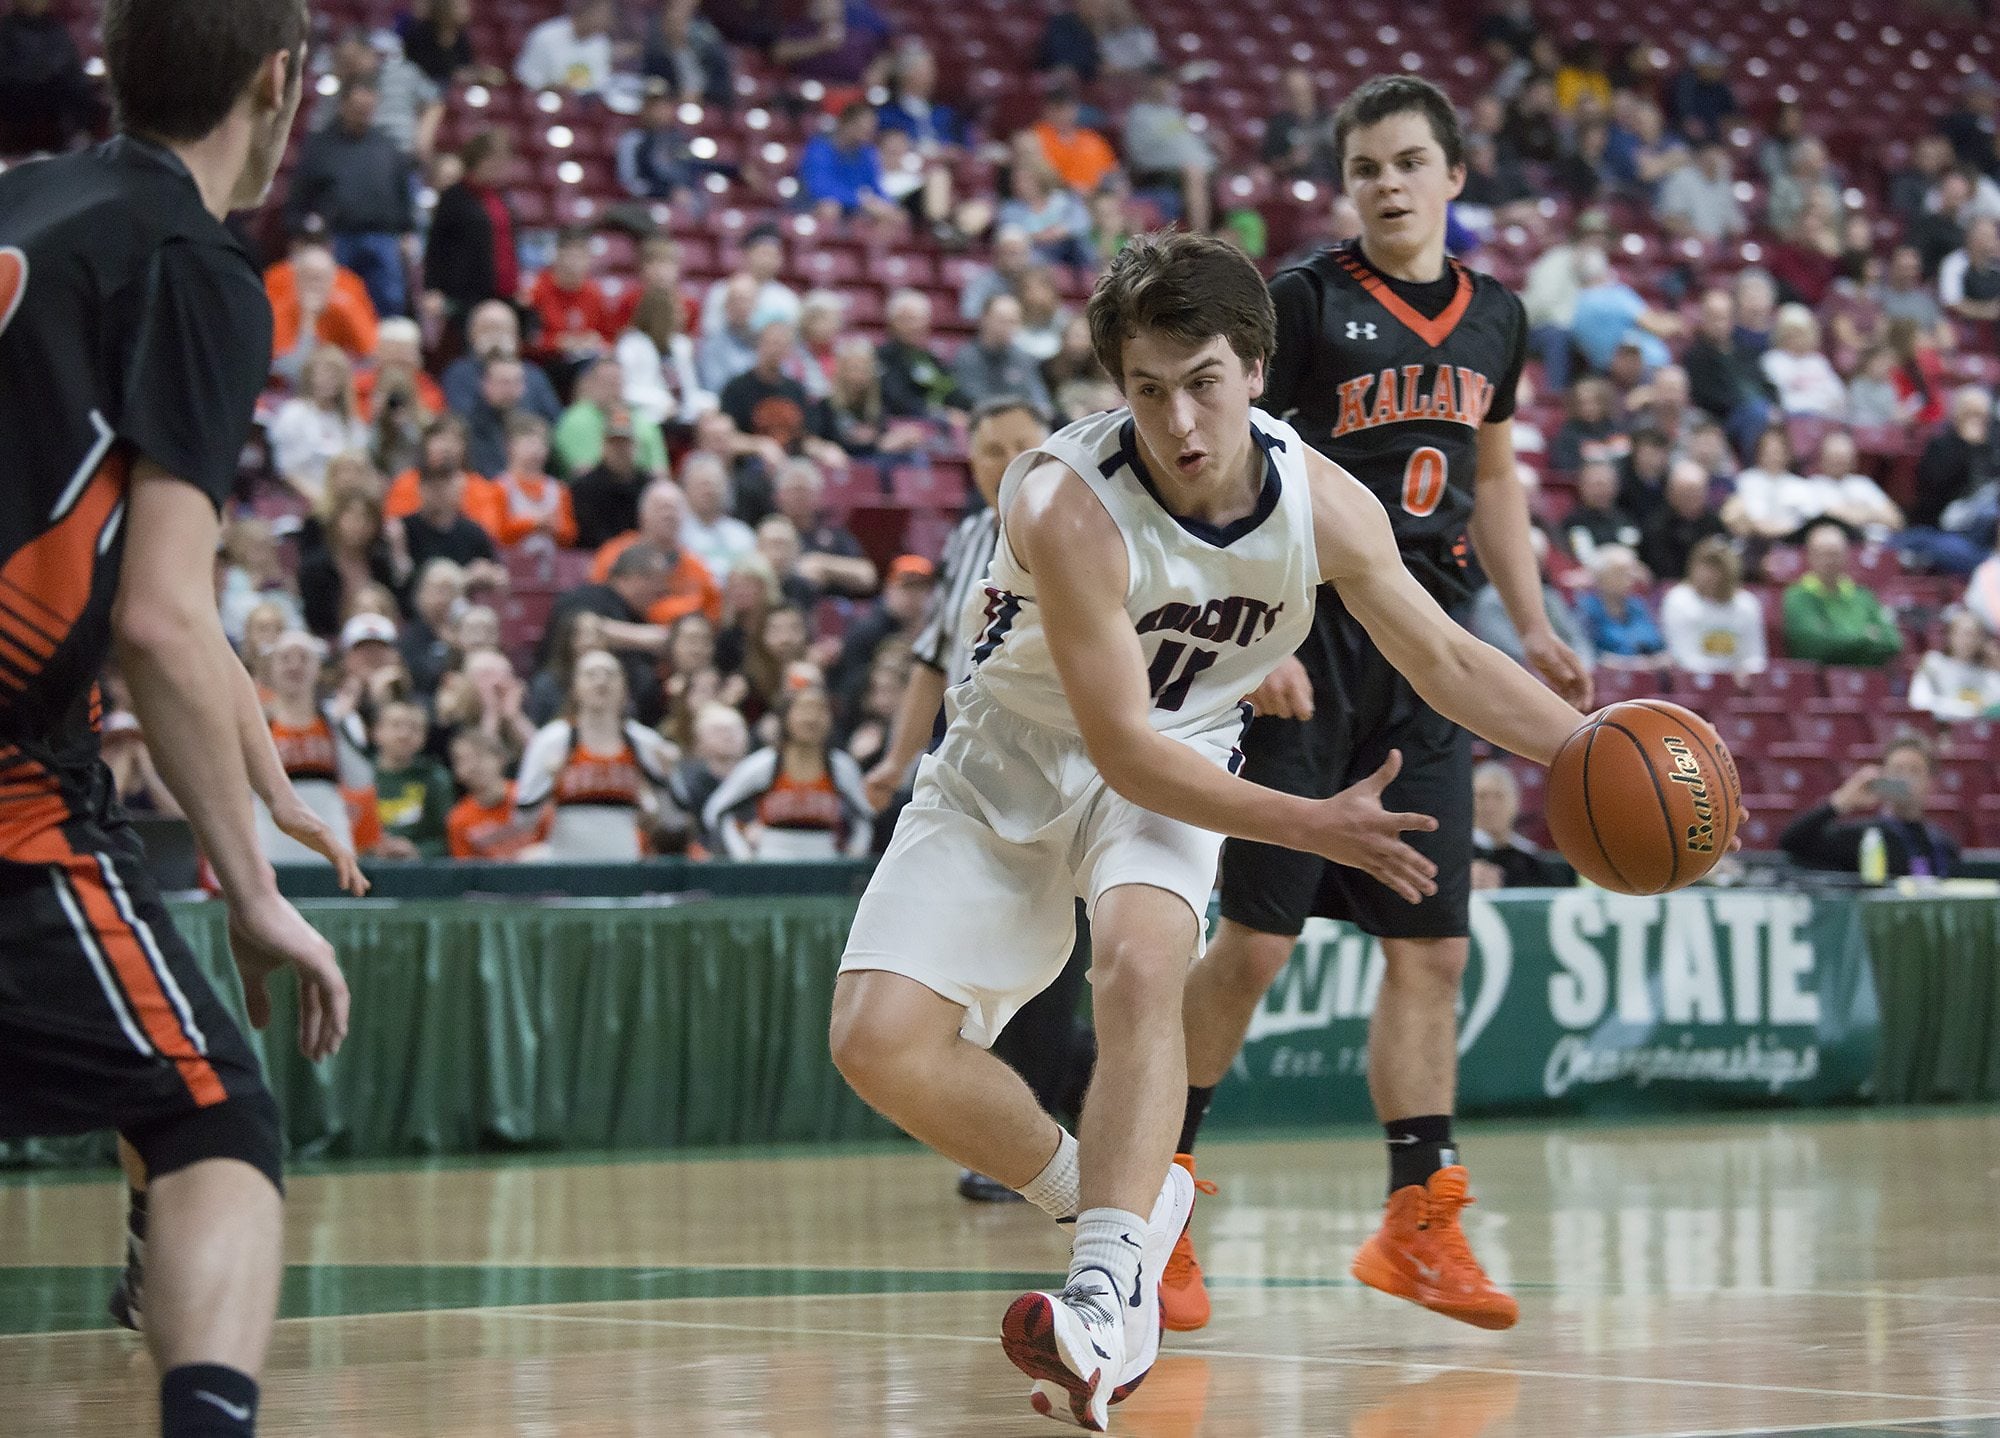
653	1024
1583	1001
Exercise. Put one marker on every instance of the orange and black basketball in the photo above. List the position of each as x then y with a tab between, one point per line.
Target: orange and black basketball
1644	798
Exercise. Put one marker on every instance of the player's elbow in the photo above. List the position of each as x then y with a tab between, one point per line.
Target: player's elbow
154	625
1120	757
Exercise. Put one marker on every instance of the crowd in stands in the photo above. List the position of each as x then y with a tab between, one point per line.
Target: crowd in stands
548	548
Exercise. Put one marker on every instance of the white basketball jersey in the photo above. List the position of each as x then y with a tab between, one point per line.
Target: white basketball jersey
1217	608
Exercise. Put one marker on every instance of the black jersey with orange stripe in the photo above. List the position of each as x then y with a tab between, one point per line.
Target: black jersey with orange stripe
132	324
1392	380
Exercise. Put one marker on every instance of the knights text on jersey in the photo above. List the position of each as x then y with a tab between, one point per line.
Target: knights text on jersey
1216	607
1392	380
132	325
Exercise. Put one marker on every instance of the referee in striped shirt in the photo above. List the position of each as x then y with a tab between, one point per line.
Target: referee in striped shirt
1044	1042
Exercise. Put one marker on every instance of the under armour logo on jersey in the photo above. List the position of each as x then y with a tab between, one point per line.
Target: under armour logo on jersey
1361	329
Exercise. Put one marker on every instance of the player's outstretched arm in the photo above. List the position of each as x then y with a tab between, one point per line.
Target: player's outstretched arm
1469	682
1061	532
173	653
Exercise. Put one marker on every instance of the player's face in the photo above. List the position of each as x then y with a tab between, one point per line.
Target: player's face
1396	173
1191	404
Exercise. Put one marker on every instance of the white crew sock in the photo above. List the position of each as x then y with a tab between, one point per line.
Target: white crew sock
1112	1240
1058	1188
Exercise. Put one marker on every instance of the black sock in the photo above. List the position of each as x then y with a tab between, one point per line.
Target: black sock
207	1400
1197	1110
1418	1148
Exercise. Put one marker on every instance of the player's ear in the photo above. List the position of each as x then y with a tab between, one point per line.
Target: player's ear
1456	174
1254	376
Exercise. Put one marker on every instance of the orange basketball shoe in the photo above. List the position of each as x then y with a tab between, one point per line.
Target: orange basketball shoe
1420	1253
1183	1295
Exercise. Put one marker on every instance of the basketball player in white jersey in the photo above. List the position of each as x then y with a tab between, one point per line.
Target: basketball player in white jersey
1154	565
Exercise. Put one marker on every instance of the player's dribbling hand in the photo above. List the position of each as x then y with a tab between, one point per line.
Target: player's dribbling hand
1286	692
1566	672
298	822
267	934
1354	829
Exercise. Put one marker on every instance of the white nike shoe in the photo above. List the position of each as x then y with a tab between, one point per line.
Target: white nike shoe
1073	1345
1143	1320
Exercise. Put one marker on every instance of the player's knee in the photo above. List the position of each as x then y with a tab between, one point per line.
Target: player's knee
243	1126
1256	959
1437	964
871	1047
1136	970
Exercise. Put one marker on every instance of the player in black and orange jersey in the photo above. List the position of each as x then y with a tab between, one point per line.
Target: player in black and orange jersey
1400	364
134	338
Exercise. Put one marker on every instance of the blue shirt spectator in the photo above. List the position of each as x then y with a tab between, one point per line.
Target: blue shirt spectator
1609	313
843	169
913	110
1613	616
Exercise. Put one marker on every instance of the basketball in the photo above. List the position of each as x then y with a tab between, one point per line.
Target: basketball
1644	798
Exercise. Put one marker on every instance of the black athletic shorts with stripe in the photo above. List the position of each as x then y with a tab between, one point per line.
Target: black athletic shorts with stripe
1362	708
106	1021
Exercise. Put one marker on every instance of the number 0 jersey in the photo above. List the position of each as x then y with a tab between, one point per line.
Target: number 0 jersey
1392	380
1217	607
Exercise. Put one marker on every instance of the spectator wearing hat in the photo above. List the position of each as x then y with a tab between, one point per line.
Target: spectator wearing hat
606	499
688	583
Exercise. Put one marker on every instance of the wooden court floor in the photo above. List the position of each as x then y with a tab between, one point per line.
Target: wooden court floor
1825	1275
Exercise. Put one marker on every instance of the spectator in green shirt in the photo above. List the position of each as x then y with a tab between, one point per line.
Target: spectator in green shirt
413	793
579	435
1829	617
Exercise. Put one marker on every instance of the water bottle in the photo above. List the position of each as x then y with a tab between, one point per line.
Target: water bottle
1874	858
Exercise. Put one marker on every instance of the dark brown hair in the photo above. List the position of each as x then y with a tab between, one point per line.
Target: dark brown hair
1191	288
1387	95
178	67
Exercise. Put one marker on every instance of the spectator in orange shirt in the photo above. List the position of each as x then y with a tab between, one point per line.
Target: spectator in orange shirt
443	455
532	503
1080	155
579	322
690	584
485	824
311	284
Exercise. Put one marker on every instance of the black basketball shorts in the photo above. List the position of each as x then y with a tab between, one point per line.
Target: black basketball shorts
1362	708
106	1021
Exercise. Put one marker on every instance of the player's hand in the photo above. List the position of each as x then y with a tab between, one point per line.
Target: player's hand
1286	693
296	821
882	783
1353	828
1566	672
267	934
